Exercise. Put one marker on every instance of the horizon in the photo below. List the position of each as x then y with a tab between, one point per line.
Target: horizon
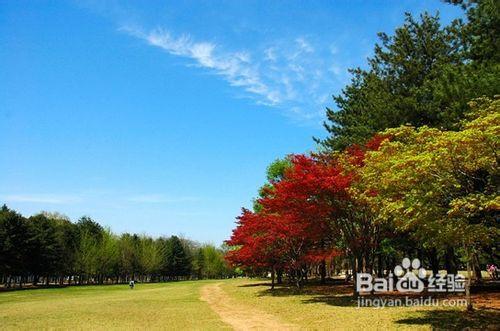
162	120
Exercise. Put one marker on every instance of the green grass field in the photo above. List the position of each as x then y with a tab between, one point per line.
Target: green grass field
179	306
148	306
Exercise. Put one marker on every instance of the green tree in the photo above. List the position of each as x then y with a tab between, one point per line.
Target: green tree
90	236
274	173
106	258
47	248
199	263
424	74
442	186
214	265
129	260
480	32
67	236
150	256
14	245
177	260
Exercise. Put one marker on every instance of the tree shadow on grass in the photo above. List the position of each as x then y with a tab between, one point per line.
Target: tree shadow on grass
334	300
335	295
488	319
341	294
266	284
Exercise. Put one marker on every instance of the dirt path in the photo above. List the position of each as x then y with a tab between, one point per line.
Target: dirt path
239	316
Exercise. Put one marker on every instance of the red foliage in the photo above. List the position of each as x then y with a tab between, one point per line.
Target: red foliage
294	225
356	153
254	241
374	143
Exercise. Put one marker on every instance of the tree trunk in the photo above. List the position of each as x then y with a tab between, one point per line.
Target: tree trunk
451	266
355	269
298	277
380	265
330	268
476	267
434	260
272	278
279	278
467	285
322	271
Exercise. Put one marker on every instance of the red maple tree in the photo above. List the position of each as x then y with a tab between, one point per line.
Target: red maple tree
303	216
292	228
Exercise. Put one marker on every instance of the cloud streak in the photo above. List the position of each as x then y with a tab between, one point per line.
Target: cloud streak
235	67
159	198
42	198
291	75
62	199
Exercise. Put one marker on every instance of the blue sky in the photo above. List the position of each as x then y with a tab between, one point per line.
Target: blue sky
162	118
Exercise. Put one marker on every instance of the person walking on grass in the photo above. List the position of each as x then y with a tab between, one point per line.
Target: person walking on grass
131	284
493	271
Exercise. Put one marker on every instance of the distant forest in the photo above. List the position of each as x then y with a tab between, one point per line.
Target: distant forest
49	249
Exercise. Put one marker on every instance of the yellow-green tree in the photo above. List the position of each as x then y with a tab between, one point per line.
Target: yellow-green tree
442	186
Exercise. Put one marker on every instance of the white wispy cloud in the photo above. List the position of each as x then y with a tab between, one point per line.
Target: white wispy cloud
108	197
42	198
270	54
159	198
235	67
304	45
292	75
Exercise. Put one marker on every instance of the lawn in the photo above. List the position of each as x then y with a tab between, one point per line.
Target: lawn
149	306
178	306
332	307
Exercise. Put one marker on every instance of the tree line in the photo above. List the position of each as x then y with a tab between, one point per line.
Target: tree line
409	168
49	249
